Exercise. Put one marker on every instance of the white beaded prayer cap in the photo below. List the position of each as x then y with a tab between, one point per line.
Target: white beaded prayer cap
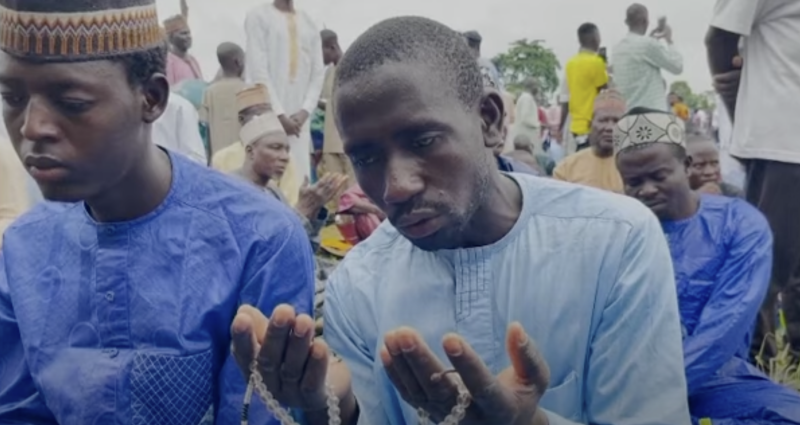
259	127
653	127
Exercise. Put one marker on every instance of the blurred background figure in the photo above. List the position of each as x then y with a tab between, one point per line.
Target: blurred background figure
180	64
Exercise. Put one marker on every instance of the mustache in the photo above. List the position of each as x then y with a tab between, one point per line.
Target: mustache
415	207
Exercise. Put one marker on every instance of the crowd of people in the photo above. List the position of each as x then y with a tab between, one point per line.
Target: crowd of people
388	235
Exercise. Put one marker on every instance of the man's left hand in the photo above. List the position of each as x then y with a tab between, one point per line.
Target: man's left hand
300	118
512	397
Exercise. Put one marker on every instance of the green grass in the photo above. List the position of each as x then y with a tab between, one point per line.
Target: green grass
783	368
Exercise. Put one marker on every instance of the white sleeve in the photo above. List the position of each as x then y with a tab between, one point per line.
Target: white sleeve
257	57
190	142
736	16
563	96
317	74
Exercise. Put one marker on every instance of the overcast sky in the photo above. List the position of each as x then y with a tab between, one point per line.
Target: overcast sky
500	22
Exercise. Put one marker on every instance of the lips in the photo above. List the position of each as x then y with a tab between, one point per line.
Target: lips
45	168
418	225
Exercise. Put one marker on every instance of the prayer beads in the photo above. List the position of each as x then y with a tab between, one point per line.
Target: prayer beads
334	414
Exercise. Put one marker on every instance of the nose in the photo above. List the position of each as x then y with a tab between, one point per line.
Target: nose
39	124
403	181
648	190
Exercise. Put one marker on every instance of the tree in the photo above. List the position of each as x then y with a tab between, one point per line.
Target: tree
529	59
693	100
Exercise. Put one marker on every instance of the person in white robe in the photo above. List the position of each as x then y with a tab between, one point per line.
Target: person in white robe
284	53
178	129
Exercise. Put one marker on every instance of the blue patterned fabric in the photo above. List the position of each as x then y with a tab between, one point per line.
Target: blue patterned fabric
129	323
723	259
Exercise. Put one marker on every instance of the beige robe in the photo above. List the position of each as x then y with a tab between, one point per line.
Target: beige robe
588	169
219	111
14	199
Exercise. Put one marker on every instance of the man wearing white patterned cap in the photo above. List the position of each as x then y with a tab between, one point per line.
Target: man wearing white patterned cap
267	155
722	253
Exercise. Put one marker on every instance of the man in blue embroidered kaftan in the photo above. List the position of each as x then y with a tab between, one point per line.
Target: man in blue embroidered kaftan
115	301
467	252
722	253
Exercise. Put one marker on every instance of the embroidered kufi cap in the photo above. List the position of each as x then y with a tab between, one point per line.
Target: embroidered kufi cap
610	100
78	30
635	130
175	24
251	96
259	127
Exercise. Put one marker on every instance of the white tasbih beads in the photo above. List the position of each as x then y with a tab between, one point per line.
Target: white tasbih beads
334	414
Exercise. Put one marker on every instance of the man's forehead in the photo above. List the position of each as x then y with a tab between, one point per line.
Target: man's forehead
76	74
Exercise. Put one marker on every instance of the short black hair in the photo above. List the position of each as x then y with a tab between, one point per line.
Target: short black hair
677	150
421	41
141	66
585	31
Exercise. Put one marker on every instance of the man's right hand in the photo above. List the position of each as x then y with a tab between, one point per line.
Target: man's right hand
289	125
293	366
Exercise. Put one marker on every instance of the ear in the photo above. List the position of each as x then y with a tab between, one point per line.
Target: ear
155	95
687	163
492	118
248	151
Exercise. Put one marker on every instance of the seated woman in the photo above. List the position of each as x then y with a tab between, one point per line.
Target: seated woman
267	154
366	216
722	254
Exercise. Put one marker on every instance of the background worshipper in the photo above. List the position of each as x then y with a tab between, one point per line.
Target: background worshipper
523	153
705	174
284	52
113	298
508	164
333	158
638	59
763	99
180	64
679	107
722	253
526	115
178	129
14	200
585	75
488	68
218	110
458	254
250	103
267	154
595	167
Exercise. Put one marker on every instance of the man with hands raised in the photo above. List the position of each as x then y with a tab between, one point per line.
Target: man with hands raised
471	260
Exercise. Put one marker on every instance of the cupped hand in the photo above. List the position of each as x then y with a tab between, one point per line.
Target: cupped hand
313	197
293	366
300	118
512	397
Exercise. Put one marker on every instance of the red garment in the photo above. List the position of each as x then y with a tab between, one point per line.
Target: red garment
365	223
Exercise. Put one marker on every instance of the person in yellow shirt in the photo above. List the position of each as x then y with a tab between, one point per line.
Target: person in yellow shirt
596	166
14	199
679	108
250	103
586	75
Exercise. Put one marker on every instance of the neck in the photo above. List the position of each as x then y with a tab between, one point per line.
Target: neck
499	213
589	49
178	52
284	5
638	30
247	171
231	74
139	192
602	153
686	206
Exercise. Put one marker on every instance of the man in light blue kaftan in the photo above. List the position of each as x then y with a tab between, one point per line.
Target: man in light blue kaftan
722	254
466	252
116	297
